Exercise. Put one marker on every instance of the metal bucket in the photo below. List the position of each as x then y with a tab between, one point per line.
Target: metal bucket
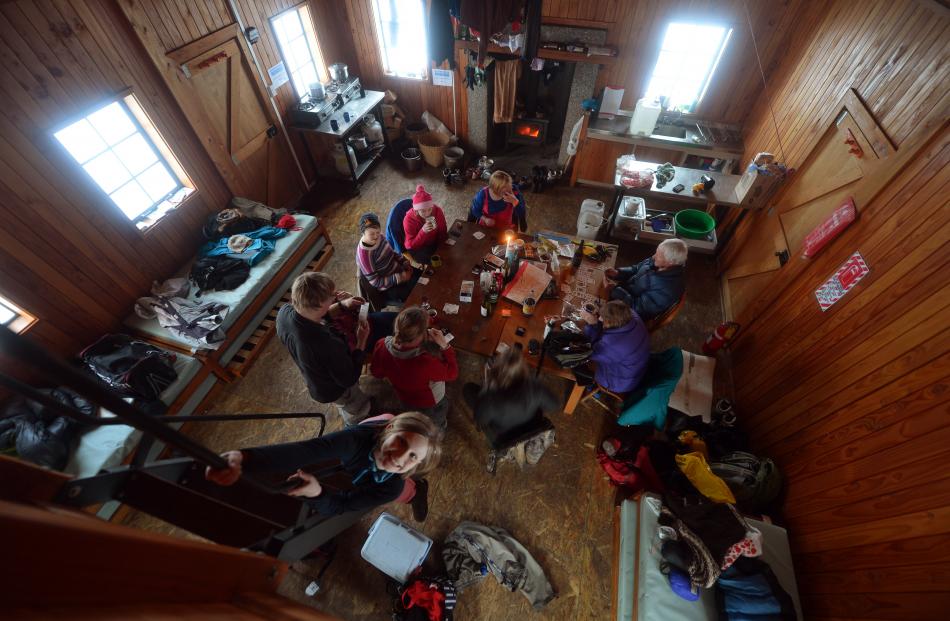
453	157
412	159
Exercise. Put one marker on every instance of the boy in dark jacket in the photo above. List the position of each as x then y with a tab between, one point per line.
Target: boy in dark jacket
655	284
330	359
417	361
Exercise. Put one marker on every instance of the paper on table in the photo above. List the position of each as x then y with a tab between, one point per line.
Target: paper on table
478	235
529	278
450	309
610	104
450	242
423	280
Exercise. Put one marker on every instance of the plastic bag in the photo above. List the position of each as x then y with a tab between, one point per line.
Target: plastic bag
696	469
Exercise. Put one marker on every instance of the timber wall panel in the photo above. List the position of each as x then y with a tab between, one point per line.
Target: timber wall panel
853	403
70	257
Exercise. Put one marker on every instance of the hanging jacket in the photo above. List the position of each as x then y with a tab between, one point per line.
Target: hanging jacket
502	212
262	246
472	545
649	292
417	375
621	354
416	238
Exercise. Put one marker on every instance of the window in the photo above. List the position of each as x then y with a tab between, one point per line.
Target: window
688	57
298	46
401	33
14	318
124	154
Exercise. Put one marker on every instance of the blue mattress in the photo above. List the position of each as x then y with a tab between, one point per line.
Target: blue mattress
238	299
105	447
643	588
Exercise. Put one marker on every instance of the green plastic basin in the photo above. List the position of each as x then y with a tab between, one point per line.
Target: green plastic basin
694	224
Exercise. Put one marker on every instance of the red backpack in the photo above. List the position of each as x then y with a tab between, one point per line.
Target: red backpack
633	472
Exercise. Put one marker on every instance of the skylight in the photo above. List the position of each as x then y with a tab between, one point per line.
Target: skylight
688	58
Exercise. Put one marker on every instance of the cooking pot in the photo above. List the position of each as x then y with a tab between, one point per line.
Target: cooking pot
339	72
358	142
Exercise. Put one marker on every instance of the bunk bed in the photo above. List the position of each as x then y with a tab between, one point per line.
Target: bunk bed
642	592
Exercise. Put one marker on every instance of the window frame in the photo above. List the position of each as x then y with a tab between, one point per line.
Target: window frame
21	320
381	45
728	30
147	130
316	51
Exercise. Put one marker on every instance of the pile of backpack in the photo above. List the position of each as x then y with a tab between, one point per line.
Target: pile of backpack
703	473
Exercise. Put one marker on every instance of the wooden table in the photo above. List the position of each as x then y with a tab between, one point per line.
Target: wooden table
481	335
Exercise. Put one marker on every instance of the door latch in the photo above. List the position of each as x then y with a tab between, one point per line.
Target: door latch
782	257
271	131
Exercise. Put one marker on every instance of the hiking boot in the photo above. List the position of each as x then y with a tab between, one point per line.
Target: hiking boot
420	502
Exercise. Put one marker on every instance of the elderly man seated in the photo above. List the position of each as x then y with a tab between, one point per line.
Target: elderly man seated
655	284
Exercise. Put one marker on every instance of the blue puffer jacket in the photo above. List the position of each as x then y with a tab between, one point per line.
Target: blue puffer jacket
621	354
262	246
649	292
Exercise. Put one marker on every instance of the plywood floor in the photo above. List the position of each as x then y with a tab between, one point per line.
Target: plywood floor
561	509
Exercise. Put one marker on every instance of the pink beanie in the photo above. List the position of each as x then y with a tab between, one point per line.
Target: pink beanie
421	199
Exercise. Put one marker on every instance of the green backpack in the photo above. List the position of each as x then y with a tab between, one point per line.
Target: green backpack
754	482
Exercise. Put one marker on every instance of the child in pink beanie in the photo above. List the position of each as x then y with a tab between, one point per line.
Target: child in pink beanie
424	225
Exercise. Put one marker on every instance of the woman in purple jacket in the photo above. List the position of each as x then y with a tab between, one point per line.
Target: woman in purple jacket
621	346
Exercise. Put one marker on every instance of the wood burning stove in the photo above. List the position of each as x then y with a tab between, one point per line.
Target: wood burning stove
527	131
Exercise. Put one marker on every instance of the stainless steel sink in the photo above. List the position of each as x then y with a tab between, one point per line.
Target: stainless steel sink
671	131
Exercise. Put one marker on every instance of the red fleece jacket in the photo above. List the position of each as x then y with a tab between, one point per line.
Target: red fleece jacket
411	377
417	238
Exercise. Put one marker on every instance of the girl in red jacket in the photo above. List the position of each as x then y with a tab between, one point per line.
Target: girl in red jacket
424	226
417	361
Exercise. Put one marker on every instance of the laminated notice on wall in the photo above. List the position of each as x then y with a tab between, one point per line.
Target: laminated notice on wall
442	77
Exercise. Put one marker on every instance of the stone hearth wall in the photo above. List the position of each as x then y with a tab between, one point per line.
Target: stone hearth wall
582	87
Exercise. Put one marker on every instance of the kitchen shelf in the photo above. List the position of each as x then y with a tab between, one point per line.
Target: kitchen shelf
542	53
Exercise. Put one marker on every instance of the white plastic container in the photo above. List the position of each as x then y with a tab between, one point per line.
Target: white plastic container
590	218
339	158
372	129
593	206
588	224
644	117
629	217
395	548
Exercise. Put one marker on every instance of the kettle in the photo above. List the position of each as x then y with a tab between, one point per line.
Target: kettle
317	92
339	72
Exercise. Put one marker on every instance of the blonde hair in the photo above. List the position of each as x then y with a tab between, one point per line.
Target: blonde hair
418	423
675	251
311	290
410	324
615	314
507	369
499	181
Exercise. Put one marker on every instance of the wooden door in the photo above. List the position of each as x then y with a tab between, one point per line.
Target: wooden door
830	175
231	112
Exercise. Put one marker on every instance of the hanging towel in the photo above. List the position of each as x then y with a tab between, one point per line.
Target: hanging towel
506	86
